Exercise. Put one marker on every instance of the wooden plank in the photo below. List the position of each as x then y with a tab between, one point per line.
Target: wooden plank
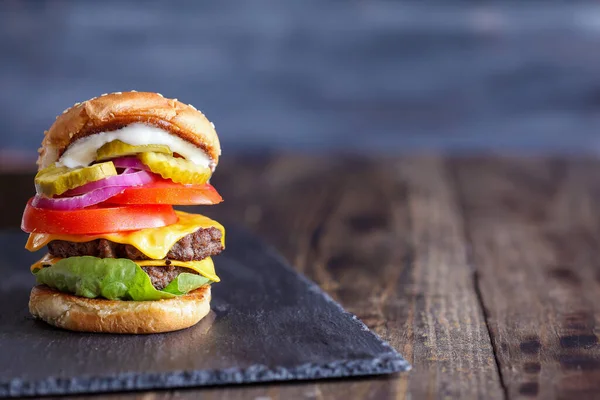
535	236
359	389
452	344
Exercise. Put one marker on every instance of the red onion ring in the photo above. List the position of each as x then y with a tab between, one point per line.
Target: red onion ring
76	202
126	179
129	162
94	192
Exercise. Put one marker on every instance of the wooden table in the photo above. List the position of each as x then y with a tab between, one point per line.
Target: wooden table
483	272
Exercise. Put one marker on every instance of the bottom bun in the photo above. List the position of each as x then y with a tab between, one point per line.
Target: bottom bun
76	313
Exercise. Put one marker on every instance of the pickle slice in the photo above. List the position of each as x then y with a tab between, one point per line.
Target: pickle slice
178	170
116	148
55	180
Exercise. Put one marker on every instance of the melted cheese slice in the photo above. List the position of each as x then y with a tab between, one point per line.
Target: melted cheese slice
155	243
204	267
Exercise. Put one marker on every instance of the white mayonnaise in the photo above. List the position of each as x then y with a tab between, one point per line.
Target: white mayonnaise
82	152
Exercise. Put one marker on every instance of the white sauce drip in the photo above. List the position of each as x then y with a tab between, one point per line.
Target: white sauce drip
82	152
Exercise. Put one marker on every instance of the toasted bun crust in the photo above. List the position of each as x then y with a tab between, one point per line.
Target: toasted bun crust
76	313
113	111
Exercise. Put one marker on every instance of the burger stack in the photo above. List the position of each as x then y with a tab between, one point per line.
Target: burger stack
119	258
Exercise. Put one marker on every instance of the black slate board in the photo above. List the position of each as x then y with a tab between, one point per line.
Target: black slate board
268	324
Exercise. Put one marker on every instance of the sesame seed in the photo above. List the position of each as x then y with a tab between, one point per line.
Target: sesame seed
193	108
160	95
65	111
103	94
213	125
117	93
133	91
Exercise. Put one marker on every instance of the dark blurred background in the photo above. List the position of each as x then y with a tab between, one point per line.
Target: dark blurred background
317	75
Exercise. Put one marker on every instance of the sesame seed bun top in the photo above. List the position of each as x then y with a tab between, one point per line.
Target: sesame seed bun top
113	111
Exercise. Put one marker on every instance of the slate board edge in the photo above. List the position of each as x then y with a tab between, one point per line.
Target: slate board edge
386	364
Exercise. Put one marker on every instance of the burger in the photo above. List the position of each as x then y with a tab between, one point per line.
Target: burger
119	258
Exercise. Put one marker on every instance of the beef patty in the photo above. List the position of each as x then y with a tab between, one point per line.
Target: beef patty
162	276
193	247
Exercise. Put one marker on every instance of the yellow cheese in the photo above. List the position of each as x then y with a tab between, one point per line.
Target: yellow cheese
48	259
155	243
204	267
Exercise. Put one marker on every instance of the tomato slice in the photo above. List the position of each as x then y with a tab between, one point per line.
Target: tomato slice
96	219
168	192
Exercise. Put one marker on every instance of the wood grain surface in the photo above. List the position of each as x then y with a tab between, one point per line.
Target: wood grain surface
483	272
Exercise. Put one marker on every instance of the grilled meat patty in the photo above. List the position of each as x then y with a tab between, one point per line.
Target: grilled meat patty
162	276
193	247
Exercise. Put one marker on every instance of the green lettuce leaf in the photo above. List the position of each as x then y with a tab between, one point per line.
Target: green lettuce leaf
185	283
112	278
